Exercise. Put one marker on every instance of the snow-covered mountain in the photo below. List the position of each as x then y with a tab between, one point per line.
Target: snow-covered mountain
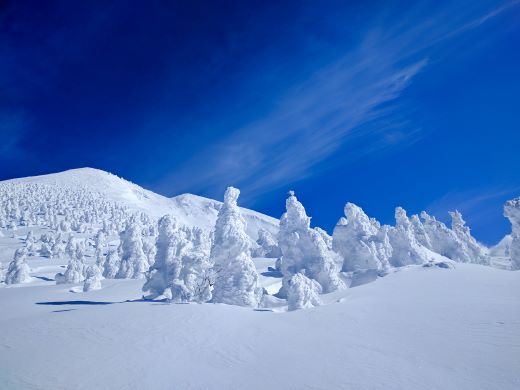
188	209
89	263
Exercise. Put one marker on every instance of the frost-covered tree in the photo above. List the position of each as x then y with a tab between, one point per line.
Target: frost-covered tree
405	248
46	250
18	270
58	249
70	248
150	249
159	273
267	246
419	232
92	278
443	240
360	241
236	278
512	212
112	263
304	250
76	269
100	240
2	272
302	292
181	268
133	260
476	251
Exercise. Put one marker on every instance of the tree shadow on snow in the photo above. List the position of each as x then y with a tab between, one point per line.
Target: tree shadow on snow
45	278
60	303
94	303
272	273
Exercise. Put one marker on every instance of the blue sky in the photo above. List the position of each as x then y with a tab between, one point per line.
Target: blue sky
379	103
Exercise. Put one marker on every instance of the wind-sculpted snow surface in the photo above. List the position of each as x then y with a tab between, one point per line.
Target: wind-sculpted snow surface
512	212
236	278
304	250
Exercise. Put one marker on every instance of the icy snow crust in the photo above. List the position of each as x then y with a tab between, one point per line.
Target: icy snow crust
93	267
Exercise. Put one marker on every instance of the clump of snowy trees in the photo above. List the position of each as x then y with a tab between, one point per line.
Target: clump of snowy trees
100	239
308	265
512	212
180	272
189	267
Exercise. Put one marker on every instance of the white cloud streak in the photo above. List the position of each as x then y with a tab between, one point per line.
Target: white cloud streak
318	117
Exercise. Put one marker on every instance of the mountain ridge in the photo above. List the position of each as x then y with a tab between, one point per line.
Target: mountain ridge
188	209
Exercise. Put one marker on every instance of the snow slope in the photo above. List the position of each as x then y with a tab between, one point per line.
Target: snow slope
419	328
191	210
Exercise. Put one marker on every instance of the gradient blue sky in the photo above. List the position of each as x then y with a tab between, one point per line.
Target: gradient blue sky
381	103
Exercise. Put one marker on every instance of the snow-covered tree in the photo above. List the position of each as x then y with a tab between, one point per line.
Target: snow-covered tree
18	270
419	232
476	251
133	260
181	268
100	240
76	269
159	273
46	250
304	250
92	278
443	240
111	264
512	212
236	278
360	241
302	292
267	246
150	249
405	248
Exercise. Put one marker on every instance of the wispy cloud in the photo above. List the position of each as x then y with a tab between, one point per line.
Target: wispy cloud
478	206
343	103
470	201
